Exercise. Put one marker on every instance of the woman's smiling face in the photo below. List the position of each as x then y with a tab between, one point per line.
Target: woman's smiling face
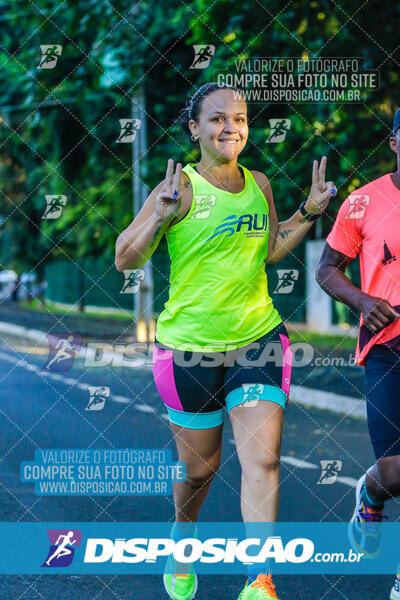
222	127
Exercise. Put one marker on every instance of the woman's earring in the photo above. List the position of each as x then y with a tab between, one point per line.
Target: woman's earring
194	139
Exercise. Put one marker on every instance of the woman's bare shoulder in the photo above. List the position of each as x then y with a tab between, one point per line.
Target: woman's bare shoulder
260	177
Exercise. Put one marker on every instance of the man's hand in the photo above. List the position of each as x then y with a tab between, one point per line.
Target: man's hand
377	313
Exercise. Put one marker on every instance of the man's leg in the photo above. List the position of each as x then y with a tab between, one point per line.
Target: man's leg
383	479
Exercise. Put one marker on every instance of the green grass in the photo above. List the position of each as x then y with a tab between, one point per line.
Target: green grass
322	340
38	306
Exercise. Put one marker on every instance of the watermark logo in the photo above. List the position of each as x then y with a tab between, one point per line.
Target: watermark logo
357	206
63	543
133	277
103	472
279	129
334	361
286	280
50	54
139	354
287	80
252	393
62	352
97	397
189	550
54	206
202	56
129	129
329	471
203	205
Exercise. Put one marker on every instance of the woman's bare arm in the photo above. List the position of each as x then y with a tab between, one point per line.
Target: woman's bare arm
137	243
285	236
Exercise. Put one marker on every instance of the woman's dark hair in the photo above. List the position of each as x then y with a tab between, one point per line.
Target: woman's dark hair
193	105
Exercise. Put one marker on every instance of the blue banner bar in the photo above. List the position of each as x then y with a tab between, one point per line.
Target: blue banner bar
216	548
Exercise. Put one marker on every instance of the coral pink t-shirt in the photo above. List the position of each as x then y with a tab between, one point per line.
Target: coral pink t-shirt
368	224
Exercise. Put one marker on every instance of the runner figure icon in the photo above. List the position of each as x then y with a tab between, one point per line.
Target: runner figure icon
202	55
132	281
50	55
280	129
330	469
63	545
129	129
54	207
98	397
129	282
126	130
65	350
62	550
286	281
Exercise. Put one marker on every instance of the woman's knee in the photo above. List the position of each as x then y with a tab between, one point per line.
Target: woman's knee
199	472
261	461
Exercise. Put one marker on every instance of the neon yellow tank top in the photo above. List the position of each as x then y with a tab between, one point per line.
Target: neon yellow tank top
218	298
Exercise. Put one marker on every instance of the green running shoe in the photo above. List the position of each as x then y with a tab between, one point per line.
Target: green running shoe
261	589
180	586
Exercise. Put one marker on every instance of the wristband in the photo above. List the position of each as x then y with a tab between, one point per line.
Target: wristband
309	216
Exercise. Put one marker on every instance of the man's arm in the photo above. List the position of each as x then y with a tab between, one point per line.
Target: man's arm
331	277
377	312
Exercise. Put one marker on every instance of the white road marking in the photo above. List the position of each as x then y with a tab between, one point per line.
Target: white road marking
299	464
144	408
348	481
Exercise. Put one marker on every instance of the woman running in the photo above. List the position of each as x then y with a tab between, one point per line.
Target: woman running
221	227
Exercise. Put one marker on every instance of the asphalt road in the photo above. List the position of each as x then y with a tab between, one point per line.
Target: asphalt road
38	411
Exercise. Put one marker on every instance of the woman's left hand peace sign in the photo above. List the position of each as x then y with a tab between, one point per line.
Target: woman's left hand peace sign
321	192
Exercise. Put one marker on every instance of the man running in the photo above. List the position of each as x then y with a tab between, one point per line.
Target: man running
368	224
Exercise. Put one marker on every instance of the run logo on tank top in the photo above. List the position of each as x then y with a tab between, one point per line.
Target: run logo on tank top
250	225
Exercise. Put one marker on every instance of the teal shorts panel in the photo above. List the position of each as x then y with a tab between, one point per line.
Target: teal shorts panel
253	392
191	420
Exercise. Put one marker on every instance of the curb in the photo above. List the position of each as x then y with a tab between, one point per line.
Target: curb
352	407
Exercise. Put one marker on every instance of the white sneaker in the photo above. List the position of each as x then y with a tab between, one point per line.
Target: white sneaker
365	527
395	593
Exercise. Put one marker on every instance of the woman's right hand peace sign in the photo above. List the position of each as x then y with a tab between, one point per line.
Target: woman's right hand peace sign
168	200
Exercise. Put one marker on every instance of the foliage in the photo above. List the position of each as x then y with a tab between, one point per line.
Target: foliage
59	126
